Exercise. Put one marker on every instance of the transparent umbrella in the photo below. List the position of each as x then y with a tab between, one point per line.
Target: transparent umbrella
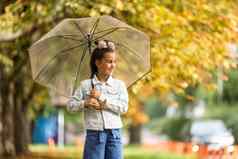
60	59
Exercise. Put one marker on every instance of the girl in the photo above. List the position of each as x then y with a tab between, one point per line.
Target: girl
103	99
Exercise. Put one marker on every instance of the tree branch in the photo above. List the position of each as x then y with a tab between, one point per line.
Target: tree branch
7	36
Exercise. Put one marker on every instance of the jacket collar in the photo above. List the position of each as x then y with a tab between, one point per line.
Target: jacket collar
108	82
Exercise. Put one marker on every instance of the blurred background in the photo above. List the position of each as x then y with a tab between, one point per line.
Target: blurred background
186	107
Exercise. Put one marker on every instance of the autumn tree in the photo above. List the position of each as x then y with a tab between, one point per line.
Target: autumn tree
188	43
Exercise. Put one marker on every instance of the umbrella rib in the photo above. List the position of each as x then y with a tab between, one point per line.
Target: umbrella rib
80	30
126	47
94	27
130	50
130	68
65	59
140	78
78	68
65	37
68	35
109	29
61	52
114	29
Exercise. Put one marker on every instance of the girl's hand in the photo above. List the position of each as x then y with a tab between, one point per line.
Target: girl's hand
93	103
95	94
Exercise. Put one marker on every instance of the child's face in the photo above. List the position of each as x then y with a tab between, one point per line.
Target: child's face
107	64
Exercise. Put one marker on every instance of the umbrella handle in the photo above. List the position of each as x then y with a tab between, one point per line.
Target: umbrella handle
92	85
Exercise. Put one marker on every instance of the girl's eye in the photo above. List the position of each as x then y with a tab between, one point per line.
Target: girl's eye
108	61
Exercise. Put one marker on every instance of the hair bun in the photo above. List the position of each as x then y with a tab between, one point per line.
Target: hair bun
111	45
105	44
102	44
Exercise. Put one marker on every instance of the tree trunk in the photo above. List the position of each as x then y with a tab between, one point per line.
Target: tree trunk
21	139
21	131
1	110
14	126
7	119
135	134
14	137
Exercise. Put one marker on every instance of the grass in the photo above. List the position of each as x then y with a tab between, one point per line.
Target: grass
130	152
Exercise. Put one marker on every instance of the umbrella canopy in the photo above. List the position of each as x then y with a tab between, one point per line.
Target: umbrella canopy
60	59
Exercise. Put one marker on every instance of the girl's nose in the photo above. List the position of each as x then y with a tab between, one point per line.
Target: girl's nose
113	65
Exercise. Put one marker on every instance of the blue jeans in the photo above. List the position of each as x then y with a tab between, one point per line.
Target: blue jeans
104	144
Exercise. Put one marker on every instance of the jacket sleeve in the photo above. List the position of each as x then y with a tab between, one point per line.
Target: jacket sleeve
119	104
76	102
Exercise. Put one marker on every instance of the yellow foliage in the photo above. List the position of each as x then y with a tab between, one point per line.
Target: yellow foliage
188	38
5	60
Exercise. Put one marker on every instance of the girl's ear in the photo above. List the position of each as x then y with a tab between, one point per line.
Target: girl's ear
97	62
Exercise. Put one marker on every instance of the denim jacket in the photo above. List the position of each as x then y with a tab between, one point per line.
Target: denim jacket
113	93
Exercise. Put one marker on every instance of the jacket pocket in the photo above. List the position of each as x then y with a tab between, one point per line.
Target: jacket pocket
112	91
